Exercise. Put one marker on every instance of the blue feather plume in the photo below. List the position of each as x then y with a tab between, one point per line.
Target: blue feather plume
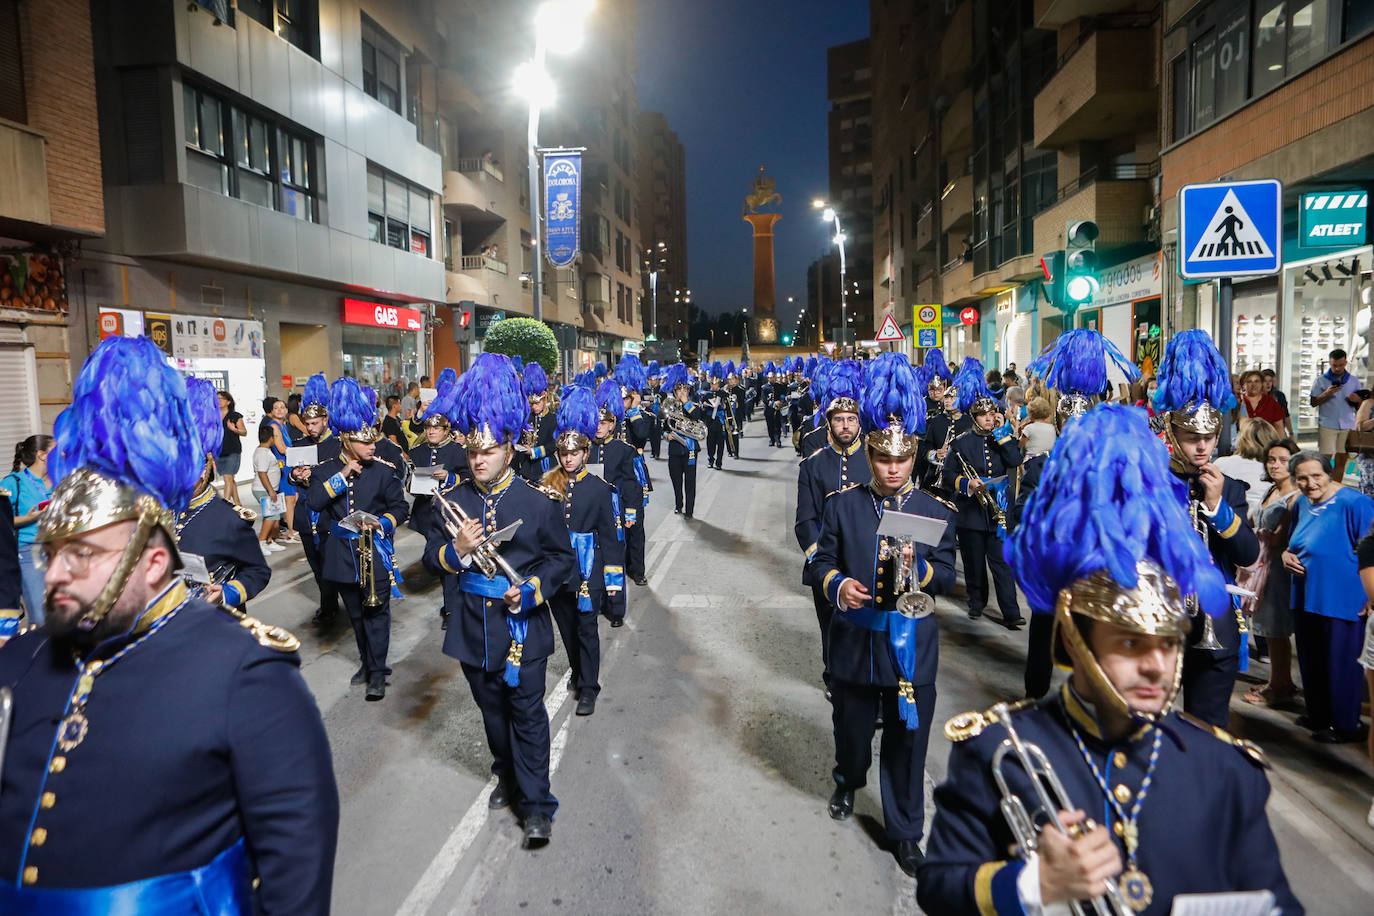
492	398
971	384
578	411
350	407
445	390
600	370
675	375
316	391
630	373
518	362
652	369
891	392
608	396
535	381
1193	373
938	365
1106	500
1075	362
129	421
204	403
718	370
730	368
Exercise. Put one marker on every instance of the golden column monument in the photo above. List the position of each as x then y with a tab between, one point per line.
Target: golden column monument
764	326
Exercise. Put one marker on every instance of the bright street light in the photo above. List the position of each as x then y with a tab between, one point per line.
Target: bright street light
818	203
534	85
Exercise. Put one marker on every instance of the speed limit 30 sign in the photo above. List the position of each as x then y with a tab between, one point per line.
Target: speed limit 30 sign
926	326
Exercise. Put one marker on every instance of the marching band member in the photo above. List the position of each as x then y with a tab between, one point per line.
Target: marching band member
842	464
801	405
653	406
716	409
734	400
881	659
682	449
1076	366
165	755
315	416
535	462
386	450
976	459
815	431
1192	401
939	379
358	556
502	635
622	466
591	513
212	528
1157	803
774	394
440	457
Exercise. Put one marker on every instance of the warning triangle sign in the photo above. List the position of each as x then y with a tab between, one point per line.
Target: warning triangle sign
1230	234
888	330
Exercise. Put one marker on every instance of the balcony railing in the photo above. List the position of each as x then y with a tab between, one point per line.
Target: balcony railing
477	165
482	262
1092	25
1134	171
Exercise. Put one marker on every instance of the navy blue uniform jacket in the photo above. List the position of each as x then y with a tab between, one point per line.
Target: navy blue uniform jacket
1232	543
199	737
589	508
814	438
848	549
1202	824
988	457
212	528
377	491
617	460
326	447
532	466
540	551
449	455
828	471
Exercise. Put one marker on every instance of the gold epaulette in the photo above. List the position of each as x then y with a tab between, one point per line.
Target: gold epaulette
267	635
1250	749
245	513
968	725
384	461
550	492
941	500
842	489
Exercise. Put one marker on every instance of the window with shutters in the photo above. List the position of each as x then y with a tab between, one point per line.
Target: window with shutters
382	65
12	104
398	212
19	381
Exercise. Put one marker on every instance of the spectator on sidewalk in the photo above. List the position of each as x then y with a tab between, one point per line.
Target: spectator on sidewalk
29	488
1364	423
266	483
1269	579
1246	463
231	452
1333	394
1270	387
1256	404
1038	434
1365	554
1327	597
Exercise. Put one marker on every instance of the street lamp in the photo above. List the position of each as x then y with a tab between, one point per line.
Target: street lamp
532	81
831	216
653	286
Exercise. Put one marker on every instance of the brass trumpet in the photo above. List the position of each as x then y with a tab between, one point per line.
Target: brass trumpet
678	422
985	496
366	560
911	601
485	556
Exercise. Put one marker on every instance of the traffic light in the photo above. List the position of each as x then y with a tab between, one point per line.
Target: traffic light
1053	266
1080	264
787	340
462	322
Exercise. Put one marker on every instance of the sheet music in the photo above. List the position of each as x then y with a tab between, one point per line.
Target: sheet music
193	569
1241	903
302	456
920	528
354	520
423	484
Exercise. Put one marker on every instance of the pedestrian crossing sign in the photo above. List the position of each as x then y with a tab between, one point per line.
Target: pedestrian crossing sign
1230	229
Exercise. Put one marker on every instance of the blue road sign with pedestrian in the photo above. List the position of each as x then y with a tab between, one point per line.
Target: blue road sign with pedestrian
1230	229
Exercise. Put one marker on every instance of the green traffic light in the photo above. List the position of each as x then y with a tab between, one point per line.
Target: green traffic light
1080	288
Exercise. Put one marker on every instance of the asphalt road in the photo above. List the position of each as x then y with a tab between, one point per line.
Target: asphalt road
700	784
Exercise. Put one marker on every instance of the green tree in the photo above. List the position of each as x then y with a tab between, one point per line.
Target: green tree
531	340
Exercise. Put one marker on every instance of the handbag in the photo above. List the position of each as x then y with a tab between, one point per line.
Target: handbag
1360	441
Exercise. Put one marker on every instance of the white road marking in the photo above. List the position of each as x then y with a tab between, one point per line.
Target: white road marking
739	602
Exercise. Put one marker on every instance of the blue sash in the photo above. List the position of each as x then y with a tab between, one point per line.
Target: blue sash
221	888
474	583
584	542
901	639
383	550
999	492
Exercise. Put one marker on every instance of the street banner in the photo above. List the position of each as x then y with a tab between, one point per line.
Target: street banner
562	203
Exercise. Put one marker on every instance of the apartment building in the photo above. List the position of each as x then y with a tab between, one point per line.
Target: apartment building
849	126
272	184
663	224
50	203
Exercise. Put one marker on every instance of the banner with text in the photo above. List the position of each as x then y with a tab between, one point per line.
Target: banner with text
562	206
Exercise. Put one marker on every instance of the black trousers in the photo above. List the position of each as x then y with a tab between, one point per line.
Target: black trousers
1207	684
1040	656
517	727
1332	679
634	548
732	439
683	473
901	754
824	612
371	628
715	444
656	440
581	638
329	591
773	421
980	551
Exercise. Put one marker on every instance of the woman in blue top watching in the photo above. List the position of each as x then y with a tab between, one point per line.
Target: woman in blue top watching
276	414
29	487
1327	596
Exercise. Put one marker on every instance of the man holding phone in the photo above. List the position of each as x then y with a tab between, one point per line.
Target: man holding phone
1333	394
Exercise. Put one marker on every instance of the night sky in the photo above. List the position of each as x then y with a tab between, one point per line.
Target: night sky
742	82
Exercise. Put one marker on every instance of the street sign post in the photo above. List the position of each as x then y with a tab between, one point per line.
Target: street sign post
888	330
927	326
1230	229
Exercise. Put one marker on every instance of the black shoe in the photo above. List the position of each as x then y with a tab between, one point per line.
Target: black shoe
586	703
1015	623
909	856
641	581
358	679
677	511
878	721
974	613
617	622
841	803
443	620
538	830
323	616
376	689
1339	736
499	797
688	516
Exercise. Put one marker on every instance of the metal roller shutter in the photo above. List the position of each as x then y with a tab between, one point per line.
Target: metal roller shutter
18	396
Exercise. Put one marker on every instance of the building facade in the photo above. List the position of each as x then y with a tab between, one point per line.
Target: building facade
51	202
663	222
849	127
